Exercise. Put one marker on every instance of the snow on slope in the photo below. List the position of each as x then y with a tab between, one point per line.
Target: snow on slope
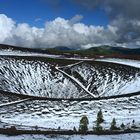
43	79
20	53
134	136
67	114
106	79
133	63
76	81
36	78
73	137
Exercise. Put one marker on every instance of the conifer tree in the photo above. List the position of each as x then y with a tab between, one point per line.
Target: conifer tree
99	120
100	117
122	126
84	124
98	127
113	125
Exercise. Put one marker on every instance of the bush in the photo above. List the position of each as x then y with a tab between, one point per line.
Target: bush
13	128
84	124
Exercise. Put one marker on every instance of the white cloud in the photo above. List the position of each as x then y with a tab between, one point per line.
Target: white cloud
58	32
6	27
75	19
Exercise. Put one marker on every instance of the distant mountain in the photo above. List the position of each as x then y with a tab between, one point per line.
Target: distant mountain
59	49
100	50
113	50
62	48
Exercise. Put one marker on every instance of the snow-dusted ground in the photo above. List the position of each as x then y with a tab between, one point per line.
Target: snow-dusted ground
43	79
36	78
67	114
105	79
73	137
20	53
83	79
134	63
76	81
14	102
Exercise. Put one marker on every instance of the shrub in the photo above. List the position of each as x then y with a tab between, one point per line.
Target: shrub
13	128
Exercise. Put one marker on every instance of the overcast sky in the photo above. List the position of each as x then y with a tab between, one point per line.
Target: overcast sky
72	23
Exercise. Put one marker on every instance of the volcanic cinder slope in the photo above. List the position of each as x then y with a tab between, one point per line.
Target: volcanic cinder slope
36	78
81	80
106	79
66	79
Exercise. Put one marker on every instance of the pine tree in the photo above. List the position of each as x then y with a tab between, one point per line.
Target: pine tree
84	124
113	125
122	126
98	127
100	117
74	129
99	120
133	124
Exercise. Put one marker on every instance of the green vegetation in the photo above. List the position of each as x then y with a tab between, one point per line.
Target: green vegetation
100	117
99	120
99	50
83	127
98	127
74	129
84	124
113	125
122	126
133	124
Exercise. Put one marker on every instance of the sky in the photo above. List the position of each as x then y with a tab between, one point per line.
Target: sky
72	23
37	12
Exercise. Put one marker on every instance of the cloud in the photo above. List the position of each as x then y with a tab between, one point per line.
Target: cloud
66	32
122	30
59	32
129	8
6	27
124	15
75	19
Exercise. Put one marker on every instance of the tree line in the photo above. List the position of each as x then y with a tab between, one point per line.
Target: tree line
84	122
